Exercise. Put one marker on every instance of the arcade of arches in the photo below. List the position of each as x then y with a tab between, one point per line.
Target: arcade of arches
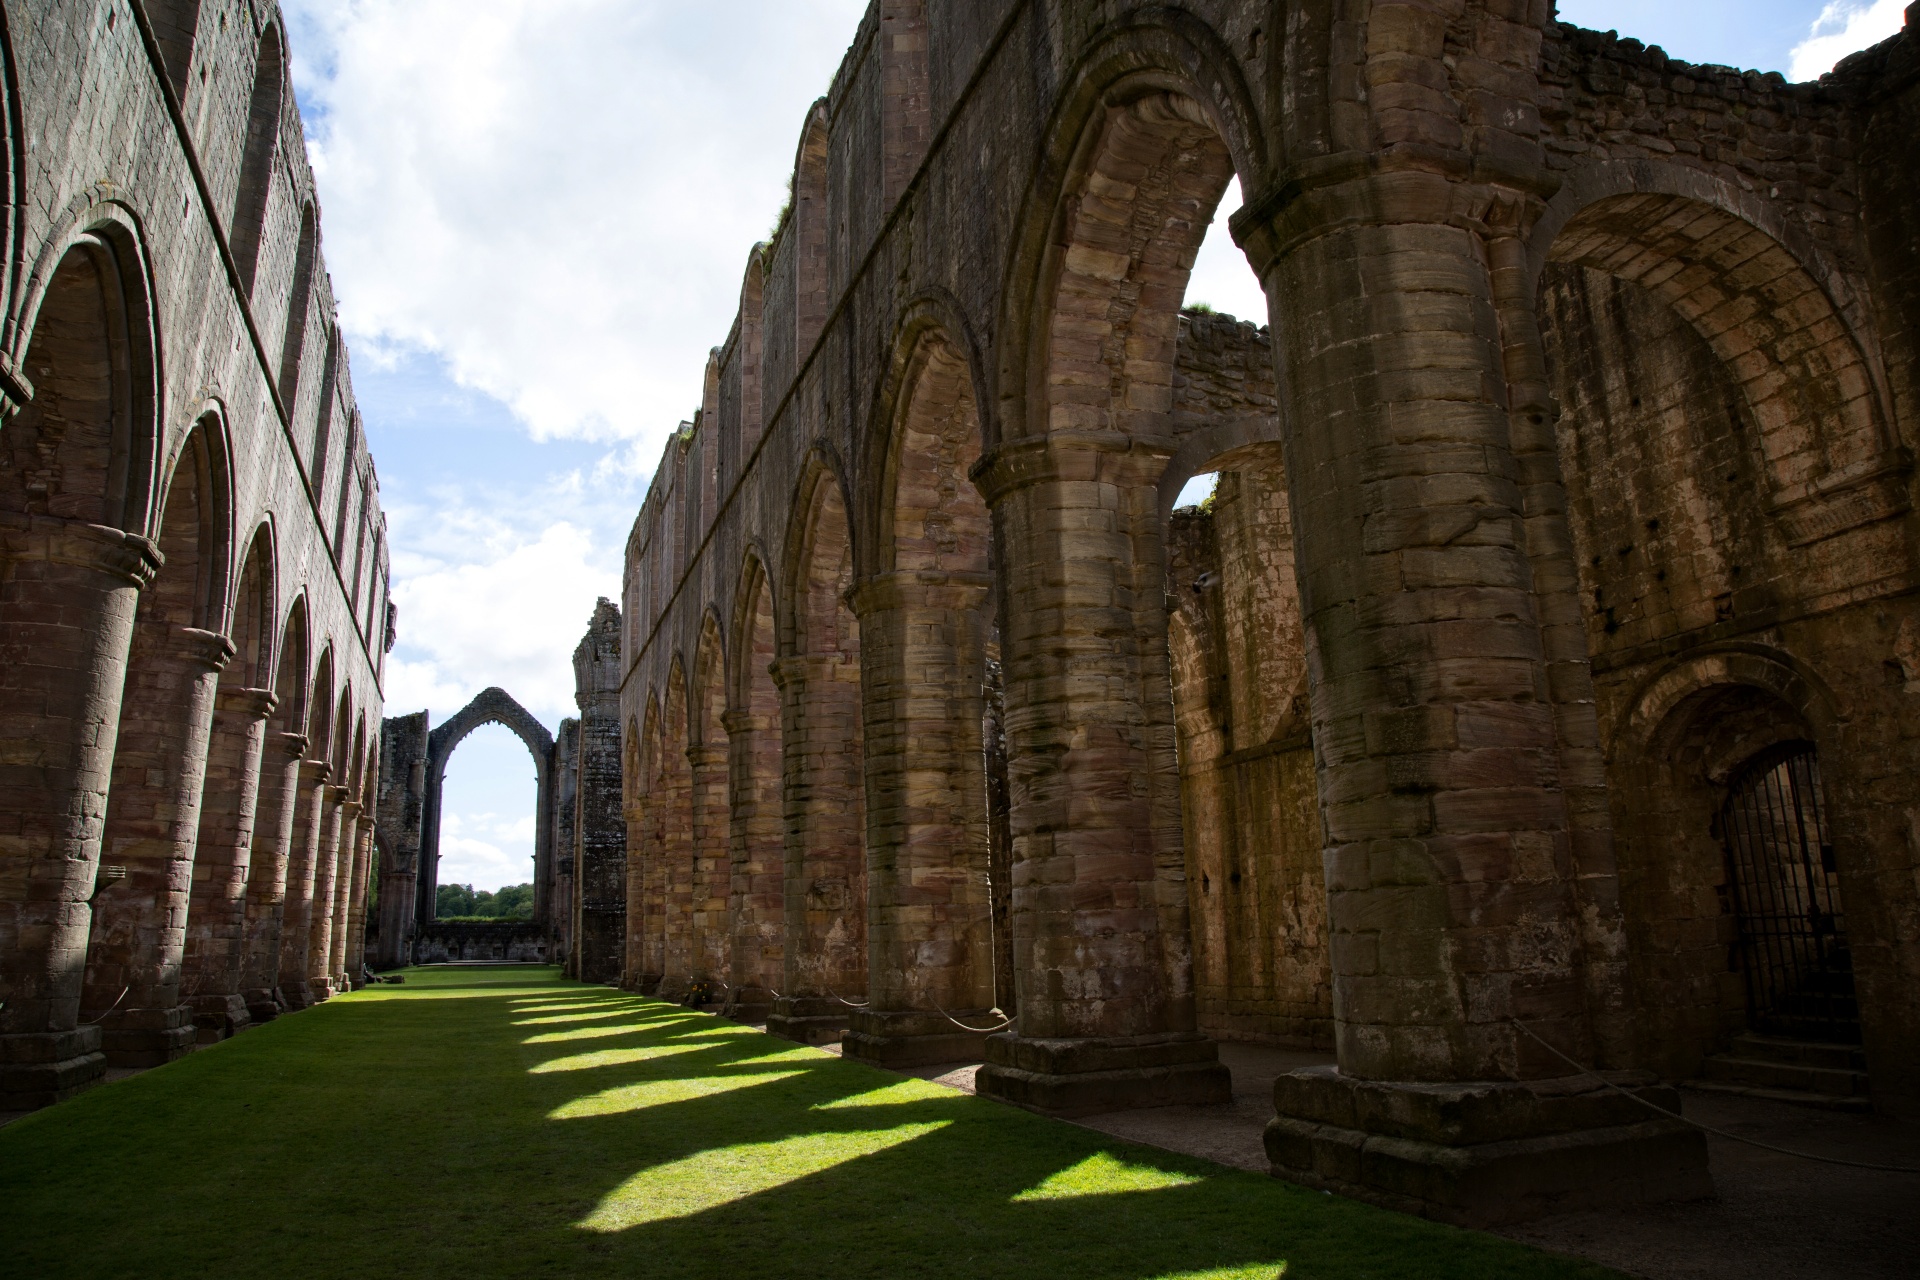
193	561
1540	686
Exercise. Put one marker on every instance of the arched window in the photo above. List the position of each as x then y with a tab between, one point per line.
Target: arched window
256	161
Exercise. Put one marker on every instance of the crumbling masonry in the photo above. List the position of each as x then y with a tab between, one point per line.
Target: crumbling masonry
193	562
1539	685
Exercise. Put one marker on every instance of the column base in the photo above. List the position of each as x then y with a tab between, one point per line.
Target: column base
1075	1077
298	995
40	1068
147	1037
1485	1153
319	990
912	1038
673	987
748	1004
646	984
217	1017
807	1019
262	1005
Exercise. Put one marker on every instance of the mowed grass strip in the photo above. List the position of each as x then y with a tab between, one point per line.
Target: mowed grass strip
506	1122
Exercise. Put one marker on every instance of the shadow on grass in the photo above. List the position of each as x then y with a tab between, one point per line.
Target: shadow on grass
504	1122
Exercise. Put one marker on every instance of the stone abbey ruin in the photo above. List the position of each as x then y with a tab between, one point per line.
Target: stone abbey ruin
1529	719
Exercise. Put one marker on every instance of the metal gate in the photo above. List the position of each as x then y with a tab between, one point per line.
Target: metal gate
1793	937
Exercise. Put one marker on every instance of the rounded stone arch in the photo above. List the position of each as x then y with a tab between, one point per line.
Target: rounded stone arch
1668	702
253	608
708	690
89	301
1185	73
1786	325
194	524
821	495
933	337
753	578
318	723
1688	733
13	173
293	669
491	705
644	749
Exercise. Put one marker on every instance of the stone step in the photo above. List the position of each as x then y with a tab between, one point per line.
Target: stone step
1799	1097
1767	1073
1811	1053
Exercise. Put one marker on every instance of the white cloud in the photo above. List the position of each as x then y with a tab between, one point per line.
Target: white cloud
509	613
556	196
1844	27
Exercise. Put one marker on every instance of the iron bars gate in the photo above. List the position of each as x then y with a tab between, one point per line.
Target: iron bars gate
1786	891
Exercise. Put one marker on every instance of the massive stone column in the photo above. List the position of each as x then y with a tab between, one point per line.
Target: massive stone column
566	798
303	864
929	919
356	955
351	821
68	593
601	824
153	819
1467	898
326	867
757	908
825	874
712	866
400	807
1101	960
273	835
217	913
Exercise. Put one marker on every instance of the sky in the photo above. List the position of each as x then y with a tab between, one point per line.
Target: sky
536	215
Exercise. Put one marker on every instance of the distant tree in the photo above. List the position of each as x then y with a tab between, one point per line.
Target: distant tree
454	900
514	902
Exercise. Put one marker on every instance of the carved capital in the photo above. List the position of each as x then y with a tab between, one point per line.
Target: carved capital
128	557
294	744
926	588
251	704
314	772
208	648
1109	457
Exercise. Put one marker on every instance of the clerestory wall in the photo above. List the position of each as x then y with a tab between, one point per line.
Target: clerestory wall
193	562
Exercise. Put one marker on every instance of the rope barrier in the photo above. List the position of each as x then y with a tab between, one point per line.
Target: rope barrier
1707	1128
110	1008
976	1030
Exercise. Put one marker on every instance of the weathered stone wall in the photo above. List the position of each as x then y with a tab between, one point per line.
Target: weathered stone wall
516	942
566	805
193	567
400	814
600	821
1587	479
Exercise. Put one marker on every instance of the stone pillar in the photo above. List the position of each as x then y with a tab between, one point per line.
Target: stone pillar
1102	962
566	798
217	914
929	918
68	594
600	864
1449	731
401	809
712	869
757	907
303	863
344	861
153	820
356	959
326	866
273	835
825	875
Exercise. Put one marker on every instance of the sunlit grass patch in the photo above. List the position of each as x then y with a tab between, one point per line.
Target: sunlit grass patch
478	1123
655	1093
726	1174
1103	1174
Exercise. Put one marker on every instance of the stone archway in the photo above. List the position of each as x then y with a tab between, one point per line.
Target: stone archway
489	706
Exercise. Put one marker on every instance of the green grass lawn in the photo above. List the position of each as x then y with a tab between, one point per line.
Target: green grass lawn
506	1122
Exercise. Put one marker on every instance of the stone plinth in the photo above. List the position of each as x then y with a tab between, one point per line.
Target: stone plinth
1074	1077
40	1068
1485	1153
808	1019
912	1038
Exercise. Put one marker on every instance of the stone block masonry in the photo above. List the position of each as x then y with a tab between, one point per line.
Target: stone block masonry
193	561
1561	526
